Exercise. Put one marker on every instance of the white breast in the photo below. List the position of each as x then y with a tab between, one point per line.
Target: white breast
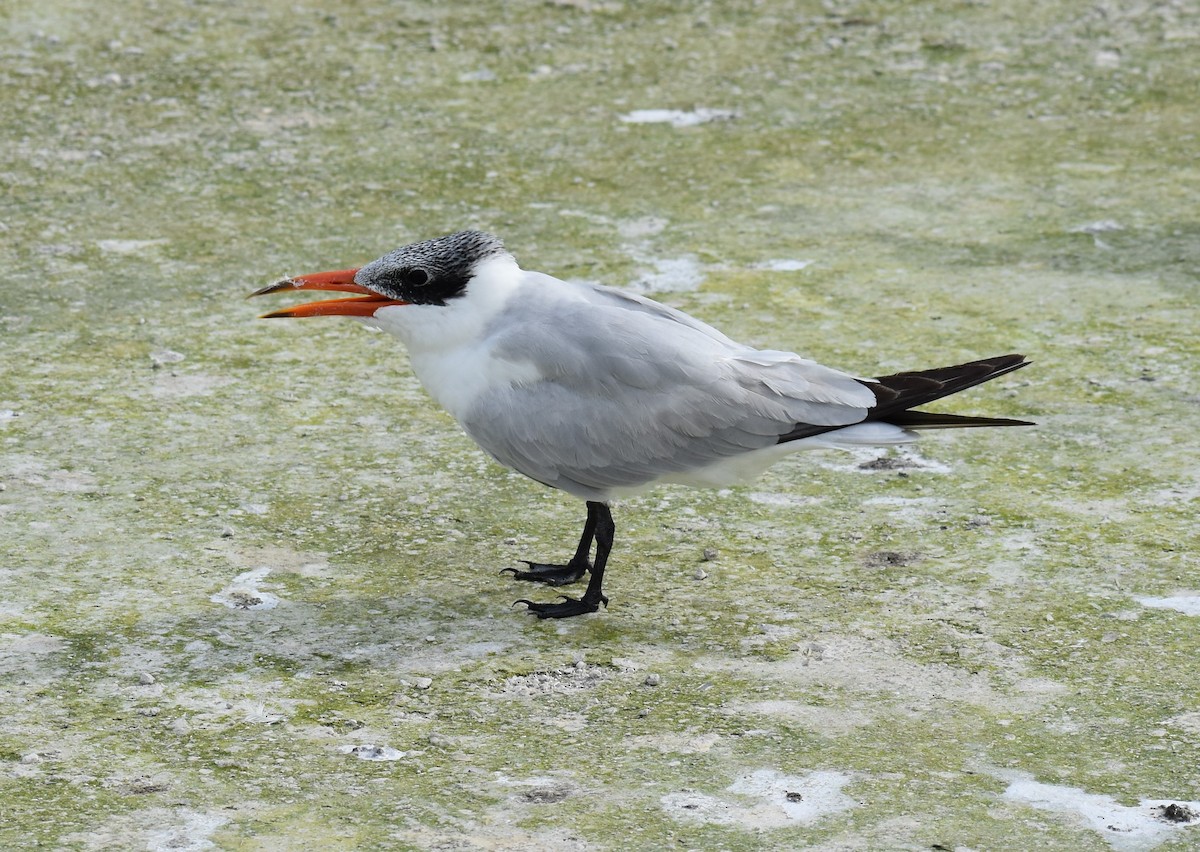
450	354
456	377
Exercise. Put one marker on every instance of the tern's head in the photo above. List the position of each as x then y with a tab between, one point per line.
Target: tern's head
433	272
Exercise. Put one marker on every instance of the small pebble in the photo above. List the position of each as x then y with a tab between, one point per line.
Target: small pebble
652	679
32	757
423	682
145	678
709	554
372	752
227	532
700	574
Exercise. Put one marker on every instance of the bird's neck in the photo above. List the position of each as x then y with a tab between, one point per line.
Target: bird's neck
450	345
463	320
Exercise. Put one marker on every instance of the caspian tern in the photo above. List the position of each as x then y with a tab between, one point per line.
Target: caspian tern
603	393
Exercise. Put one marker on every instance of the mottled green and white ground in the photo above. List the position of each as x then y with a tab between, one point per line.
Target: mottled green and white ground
248	573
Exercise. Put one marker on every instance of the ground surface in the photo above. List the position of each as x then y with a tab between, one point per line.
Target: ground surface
248	573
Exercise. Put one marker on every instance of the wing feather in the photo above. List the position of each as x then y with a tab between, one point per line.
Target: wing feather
631	390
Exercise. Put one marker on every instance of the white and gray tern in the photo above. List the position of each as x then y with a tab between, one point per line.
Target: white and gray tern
602	393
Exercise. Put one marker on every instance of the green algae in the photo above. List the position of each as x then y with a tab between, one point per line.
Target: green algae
962	179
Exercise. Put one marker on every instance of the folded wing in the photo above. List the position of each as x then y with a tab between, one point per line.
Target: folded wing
631	391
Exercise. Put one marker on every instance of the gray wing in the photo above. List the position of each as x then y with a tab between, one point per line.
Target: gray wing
632	390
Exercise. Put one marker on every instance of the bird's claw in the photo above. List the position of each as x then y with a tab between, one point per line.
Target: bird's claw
567	607
551	575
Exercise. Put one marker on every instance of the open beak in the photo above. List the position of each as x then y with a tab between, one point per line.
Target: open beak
342	281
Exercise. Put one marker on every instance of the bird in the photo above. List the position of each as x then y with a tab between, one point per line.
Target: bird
602	393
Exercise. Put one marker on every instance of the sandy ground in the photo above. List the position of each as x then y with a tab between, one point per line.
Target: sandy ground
249	588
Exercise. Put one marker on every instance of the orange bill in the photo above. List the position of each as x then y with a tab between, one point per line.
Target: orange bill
341	281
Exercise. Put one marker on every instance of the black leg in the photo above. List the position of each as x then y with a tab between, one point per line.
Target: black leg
601	528
561	575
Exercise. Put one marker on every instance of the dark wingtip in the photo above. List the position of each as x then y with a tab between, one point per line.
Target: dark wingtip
911	419
896	395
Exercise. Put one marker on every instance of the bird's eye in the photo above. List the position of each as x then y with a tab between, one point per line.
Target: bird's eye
414	277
